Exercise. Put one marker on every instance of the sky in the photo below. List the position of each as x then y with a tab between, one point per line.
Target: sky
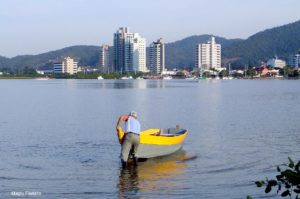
38	26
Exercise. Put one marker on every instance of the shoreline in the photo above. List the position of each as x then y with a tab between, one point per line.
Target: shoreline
45	78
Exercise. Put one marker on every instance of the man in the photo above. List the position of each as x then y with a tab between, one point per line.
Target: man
132	137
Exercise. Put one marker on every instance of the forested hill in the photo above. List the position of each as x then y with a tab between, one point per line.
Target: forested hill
280	41
86	55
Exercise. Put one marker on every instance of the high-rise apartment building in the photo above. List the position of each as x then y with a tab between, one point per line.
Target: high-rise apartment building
67	65
129	51
157	57
139	53
119	49
294	60
208	55
105	59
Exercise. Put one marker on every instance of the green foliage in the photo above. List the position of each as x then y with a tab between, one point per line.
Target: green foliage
296	73
287	182
224	73
63	76
281	41
81	75
29	71
206	74
238	75
287	71
85	55
251	72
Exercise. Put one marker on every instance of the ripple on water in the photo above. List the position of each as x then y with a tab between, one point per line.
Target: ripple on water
30	167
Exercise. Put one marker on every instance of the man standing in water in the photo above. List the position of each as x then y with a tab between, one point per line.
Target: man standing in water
132	137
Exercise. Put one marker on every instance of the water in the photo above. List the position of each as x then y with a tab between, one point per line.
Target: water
58	137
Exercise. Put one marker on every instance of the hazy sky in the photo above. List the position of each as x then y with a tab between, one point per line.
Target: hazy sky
37	26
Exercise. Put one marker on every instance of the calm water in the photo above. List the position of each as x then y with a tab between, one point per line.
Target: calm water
58	137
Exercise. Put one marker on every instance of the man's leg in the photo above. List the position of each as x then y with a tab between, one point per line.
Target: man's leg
126	146
135	142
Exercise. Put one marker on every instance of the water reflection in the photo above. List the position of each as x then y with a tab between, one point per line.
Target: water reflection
155	175
127	84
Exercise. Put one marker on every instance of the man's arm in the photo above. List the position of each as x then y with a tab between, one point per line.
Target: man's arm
122	118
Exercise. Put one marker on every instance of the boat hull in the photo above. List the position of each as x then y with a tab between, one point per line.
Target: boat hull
154	150
158	142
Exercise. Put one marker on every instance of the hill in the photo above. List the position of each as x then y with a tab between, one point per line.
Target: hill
86	55
279	41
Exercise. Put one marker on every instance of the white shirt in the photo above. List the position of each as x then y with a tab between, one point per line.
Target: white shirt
133	125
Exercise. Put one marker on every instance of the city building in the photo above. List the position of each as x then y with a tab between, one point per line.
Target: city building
208	55
139	53
294	60
276	63
105	59
129	51
119	49
157	57
67	65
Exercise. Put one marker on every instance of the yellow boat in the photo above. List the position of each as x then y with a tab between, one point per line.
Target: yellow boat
157	142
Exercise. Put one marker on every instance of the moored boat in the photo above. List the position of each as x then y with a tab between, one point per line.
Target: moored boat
126	77
167	77
42	78
158	142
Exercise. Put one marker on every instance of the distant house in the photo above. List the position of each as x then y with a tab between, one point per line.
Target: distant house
276	63
185	72
264	71
168	72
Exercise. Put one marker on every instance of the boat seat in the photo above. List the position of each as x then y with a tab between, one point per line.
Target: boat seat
172	132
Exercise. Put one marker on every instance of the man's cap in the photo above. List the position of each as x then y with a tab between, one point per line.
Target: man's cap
133	114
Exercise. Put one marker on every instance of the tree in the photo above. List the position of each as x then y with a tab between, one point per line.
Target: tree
296	73
29	71
287	182
206	74
251	72
224	73
286	71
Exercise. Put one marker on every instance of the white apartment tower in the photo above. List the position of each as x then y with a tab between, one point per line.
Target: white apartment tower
157	57
105	58
67	65
129	51
208	55
139	53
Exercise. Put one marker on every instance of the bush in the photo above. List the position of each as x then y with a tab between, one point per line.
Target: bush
287	182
